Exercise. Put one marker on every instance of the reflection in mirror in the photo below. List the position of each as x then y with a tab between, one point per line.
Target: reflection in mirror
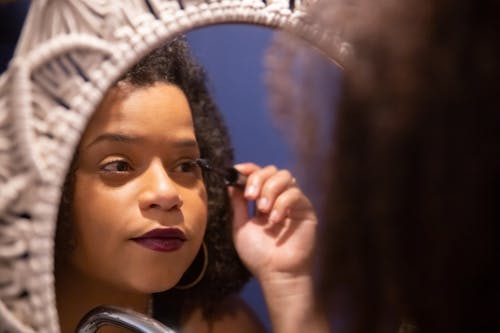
59	75
144	221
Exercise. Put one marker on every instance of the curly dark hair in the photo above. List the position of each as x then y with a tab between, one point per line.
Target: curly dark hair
172	63
412	217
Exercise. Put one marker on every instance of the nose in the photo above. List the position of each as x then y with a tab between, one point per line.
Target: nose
159	190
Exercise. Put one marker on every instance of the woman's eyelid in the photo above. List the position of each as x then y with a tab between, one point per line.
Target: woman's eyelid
180	162
191	162
114	161
114	156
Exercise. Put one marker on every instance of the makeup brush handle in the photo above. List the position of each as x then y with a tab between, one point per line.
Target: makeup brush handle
235	178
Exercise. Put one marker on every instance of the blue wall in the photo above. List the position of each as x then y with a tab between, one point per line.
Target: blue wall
233	57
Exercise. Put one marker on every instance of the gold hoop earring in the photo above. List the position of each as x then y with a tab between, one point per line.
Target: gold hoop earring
202	273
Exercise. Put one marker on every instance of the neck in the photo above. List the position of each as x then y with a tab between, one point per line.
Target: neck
77	294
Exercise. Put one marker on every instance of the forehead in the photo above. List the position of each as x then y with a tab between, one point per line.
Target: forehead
160	108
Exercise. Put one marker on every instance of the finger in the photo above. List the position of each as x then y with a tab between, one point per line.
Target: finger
291	204
247	168
272	188
256	180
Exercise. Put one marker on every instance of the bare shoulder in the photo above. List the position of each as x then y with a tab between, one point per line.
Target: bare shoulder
235	316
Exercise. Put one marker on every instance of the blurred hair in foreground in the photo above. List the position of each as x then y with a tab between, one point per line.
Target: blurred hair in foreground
409	219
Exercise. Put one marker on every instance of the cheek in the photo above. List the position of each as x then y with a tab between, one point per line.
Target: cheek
94	212
86	223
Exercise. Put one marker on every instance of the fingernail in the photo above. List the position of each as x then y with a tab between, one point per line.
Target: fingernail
263	204
251	191
274	217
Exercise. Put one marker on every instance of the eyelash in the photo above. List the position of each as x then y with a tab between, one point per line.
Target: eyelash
191	164
115	162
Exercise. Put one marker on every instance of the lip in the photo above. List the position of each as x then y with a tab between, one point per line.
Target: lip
162	239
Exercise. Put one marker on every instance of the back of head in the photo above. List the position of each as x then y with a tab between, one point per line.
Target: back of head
411	224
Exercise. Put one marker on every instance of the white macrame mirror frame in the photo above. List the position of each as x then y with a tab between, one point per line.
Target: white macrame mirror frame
69	53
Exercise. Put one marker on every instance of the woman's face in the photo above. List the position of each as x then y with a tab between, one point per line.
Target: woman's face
140	205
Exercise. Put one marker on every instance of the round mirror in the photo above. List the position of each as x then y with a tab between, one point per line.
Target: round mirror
57	79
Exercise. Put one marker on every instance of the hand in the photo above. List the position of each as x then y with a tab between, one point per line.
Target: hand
278	241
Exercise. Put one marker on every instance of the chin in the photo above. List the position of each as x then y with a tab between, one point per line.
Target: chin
156	284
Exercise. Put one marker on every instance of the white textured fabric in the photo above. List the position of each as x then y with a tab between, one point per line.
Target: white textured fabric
69	53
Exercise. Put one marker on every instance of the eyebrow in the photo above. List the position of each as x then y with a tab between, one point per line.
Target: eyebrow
116	137
126	138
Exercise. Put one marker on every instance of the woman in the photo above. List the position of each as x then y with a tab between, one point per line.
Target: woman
142	216
412	217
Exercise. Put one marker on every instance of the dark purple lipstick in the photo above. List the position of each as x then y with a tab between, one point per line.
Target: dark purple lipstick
162	239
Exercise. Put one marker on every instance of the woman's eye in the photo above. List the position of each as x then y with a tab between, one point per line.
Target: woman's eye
116	166
187	166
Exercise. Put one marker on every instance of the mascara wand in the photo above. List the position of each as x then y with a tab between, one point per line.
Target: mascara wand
232	177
